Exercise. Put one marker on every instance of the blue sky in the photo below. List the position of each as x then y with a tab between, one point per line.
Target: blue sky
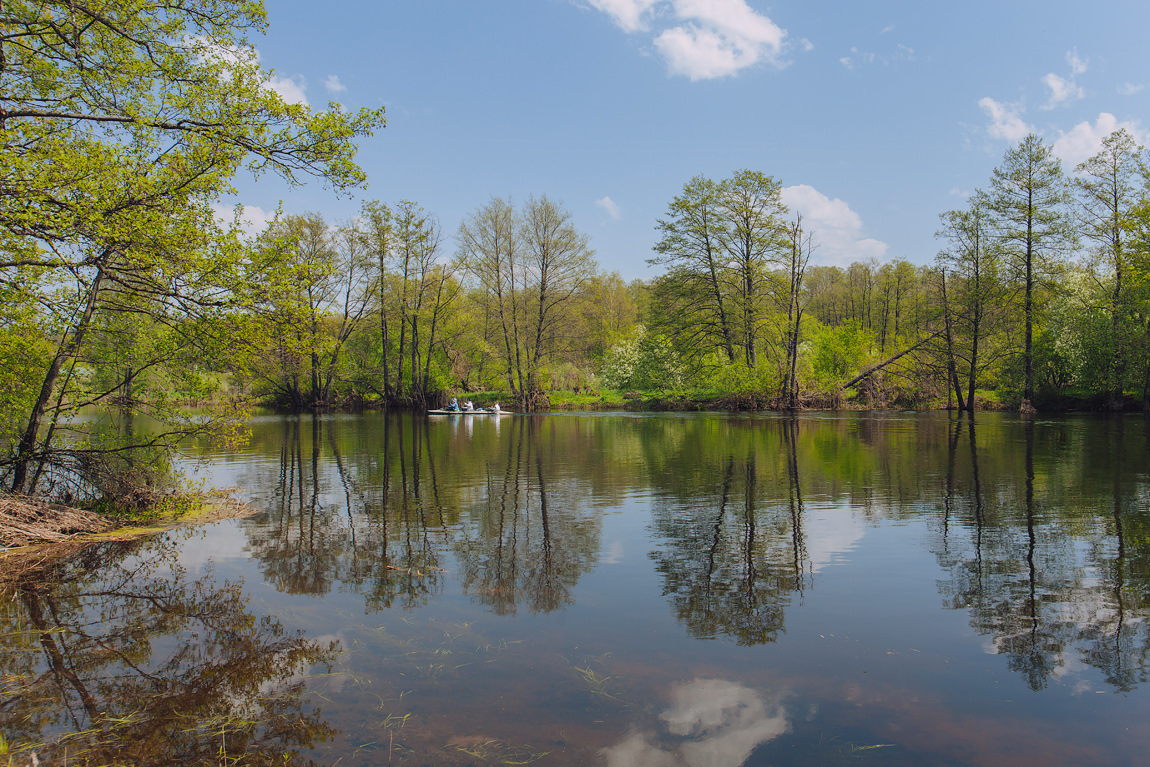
875	116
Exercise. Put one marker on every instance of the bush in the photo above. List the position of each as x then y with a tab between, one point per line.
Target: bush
644	361
839	352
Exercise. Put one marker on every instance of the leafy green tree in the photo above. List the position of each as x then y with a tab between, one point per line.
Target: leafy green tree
643	361
826	294
1137	223
491	252
800	246
1109	184
839	351
692	247
756	240
1029	200
559	263
315	302
608	311
120	124
978	301
896	283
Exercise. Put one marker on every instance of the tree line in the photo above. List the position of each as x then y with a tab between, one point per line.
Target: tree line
1037	298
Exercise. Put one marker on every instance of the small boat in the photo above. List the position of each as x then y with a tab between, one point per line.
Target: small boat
477	411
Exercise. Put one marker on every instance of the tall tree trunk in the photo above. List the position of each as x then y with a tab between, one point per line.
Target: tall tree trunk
716	290
383	334
749	317
69	346
1028	308
435	312
416	388
1117	368
951	368
972	375
1146	373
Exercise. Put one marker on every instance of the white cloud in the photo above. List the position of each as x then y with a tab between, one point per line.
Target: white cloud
1065	91
1005	120
1084	140
702	39
609	205
901	53
1129	89
333	84
838	231
719	38
830	533
711	722
806	45
858	57
1062	91
292	89
1077	65
628	14
253	218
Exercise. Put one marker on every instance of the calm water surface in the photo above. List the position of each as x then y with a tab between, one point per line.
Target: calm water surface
614	589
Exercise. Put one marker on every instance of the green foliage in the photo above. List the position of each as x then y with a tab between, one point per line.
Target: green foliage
529	266
1074	350
837	353
718	242
120	124
25	351
722	377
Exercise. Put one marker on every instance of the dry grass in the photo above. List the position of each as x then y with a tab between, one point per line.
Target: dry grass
28	522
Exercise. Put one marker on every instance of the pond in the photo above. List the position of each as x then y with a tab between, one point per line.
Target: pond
628	590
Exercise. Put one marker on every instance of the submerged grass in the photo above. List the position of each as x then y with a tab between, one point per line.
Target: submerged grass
492	751
597	683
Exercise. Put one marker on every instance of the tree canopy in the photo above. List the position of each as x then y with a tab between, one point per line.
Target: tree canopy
120	124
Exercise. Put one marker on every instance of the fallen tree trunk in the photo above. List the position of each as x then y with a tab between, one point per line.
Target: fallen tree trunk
875	368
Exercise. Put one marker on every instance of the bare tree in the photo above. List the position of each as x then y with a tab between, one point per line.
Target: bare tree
559	262
801	245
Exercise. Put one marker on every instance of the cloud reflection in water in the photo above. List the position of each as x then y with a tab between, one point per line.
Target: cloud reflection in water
711	723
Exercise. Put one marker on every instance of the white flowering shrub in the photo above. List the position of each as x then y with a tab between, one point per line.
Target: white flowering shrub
643	361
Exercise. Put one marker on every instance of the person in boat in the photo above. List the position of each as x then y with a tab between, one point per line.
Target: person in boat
454	406
468	406
495	408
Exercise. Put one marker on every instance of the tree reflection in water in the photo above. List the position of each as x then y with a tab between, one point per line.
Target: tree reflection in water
531	535
372	525
1054	582
381	519
1041	529
113	656
733	554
